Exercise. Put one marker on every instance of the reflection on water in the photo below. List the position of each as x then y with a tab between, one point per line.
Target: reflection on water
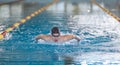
112	5
86	6
74	7
68	60
18	10
12	11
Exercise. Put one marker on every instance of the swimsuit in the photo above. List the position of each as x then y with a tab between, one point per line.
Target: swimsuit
55	40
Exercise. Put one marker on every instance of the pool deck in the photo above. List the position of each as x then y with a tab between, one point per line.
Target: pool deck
3	2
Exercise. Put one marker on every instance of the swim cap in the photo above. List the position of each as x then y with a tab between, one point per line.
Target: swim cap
55	30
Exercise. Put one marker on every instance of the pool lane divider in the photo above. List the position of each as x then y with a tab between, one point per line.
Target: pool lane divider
2	35
107	11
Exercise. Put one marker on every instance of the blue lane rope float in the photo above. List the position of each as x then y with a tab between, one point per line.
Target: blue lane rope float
2	35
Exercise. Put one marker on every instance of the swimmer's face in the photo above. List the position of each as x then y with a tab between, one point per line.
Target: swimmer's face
56	35
55	32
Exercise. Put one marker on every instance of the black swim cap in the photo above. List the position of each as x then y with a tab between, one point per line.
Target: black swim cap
55	30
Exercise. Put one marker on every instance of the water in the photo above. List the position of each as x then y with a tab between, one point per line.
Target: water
98	31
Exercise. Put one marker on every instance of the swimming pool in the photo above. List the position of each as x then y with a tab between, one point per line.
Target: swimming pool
99	43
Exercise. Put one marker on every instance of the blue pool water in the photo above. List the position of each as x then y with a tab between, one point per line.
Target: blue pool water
99	43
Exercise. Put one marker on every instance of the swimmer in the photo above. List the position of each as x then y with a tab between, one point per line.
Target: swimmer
56	36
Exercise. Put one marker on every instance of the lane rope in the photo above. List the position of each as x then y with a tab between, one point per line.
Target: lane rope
107	11
17	24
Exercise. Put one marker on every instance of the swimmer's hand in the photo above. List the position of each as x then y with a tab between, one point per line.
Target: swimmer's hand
36	38
77	38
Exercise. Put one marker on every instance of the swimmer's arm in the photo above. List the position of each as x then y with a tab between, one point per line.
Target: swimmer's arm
43	37
39	37
69	37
